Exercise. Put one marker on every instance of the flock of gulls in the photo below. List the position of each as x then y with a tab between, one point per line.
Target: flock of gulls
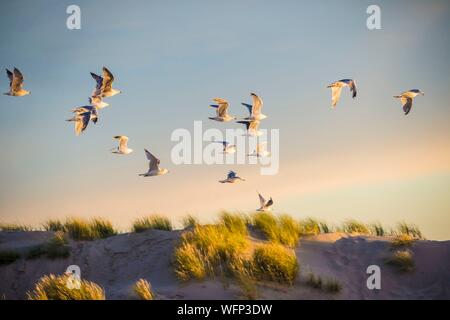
83	115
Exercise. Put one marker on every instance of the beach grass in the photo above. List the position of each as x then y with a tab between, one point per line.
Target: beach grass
143	290
283	229
56	247
8	256
155	221
403	260
51	287
14	227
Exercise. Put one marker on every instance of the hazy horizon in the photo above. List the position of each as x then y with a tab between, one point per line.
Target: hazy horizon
364	160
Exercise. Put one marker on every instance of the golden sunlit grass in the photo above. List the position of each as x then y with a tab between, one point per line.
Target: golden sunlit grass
402	240
330	285
53	287
377	229
56	247
189	221
13	227
403	260
284	229
310	226
353	226
234	222
152	222
82	229
410	230
8	256
275	262
143	290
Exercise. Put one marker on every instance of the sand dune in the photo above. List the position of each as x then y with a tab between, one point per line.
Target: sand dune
116	263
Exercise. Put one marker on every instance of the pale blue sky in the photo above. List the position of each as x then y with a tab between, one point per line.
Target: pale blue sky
170	58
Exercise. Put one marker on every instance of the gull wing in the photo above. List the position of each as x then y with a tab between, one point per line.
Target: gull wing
231	174
17	81
222	108
10	77
262	201
335	95
253	125
154	162
97	79
407	104
247	123
269	203
81	122
108	79
257	104
352	85
249	107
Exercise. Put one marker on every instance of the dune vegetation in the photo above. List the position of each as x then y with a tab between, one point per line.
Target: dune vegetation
143	290
13	227
53	287
330	285
155	221
82	229
8	256
403	260
56	247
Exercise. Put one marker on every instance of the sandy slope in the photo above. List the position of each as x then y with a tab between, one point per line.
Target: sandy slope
117	262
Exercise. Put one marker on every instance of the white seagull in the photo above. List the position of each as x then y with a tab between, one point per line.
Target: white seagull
255	108
260	150
221	110
91	109
228	148
16	84
265	205
81	121
123	146
406	98
336	88
154	169
252	127
104	84
232	178
98	102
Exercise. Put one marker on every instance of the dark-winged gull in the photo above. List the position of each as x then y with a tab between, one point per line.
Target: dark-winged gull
406	98
264	205
104	84
16	84
232	178
336	88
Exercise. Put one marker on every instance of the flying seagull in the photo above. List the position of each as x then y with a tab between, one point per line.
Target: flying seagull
98	102
228	148
104	84
252	127
16	84
154	169
265	205
123	146
406	98
91	109
336	88
260	150
232	178
81	121
221	110
255	108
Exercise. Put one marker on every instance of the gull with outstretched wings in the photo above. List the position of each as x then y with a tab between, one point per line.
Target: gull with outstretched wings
81	121
264	205
123	146
221	110
336	88
254	109
232	177
406	98
153	168
104	84
260	150
16	84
